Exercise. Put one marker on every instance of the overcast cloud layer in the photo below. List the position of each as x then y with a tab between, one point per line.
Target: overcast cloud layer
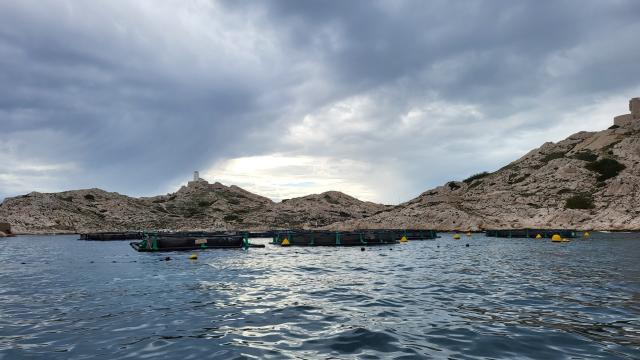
379	99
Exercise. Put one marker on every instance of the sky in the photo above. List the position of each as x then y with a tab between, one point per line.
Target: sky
379	99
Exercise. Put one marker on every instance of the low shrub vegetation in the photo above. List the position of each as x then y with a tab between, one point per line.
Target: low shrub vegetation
453	186
231	218
607	168
580	201
553	156
586	156
475	177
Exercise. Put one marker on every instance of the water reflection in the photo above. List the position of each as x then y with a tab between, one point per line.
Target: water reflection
497	298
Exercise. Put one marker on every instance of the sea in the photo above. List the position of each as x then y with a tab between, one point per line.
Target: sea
63	298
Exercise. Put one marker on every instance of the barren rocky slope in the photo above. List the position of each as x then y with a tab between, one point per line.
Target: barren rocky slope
198	206
321	209
591	180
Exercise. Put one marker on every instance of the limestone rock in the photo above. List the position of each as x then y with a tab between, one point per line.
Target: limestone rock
5	229
198	206
590	180
631	120
538	190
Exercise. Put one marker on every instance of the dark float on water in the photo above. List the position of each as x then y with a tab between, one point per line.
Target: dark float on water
531	233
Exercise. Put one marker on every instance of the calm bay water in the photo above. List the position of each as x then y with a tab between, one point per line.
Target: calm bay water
61	298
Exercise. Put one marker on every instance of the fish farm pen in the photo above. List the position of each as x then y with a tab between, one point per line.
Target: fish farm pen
349	238
160	242
139	235
531	233
107	236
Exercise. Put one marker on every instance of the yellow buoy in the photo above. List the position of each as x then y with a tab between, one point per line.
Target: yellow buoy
403	239
456	236
193	257
586	235
556	238
538	236
285	242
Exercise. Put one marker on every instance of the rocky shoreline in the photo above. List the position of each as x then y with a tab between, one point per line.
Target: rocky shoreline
5	230
589	181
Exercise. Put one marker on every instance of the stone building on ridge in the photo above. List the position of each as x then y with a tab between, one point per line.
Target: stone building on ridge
633	118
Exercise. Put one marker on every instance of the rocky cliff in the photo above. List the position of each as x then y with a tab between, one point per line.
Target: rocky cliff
198	206
591	180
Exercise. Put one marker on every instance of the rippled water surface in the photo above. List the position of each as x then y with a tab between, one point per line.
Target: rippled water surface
61	298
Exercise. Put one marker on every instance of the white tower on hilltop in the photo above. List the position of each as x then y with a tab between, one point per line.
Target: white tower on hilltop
196	176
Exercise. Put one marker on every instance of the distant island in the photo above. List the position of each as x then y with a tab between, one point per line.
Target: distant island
589	181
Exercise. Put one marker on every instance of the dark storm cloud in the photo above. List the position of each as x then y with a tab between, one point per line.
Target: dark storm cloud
478	50
130	113
131	96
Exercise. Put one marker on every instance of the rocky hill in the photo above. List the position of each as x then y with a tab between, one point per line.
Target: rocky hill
591	180
322	209
197	206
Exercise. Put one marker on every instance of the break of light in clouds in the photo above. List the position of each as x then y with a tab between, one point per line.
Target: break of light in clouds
378	99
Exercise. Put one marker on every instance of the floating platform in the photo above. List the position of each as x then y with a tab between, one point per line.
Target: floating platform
108	236
531	233
139	235
350	238
154	243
